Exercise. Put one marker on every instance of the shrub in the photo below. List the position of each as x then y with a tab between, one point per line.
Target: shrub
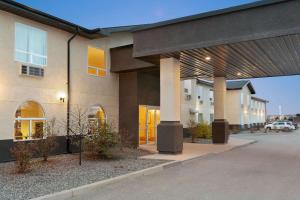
204	131
23	153
47	142
101	143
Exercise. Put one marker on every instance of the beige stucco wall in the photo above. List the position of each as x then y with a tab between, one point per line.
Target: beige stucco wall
186	105
233	106
205	107
236	113
86	90
258	111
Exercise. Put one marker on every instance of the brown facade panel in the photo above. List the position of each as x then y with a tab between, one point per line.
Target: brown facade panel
122	60
236	26
136	88
128	106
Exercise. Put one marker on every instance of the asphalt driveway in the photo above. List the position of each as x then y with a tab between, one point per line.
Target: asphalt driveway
268	170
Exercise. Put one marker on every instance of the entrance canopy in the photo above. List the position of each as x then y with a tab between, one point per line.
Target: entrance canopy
261	39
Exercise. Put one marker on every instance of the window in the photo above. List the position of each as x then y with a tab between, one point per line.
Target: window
200	92
30	121
242	99
96	116
211	95
211	118
200	118
30	45
96	62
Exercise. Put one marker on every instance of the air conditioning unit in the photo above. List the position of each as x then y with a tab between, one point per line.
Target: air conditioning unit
32	71
193	111
188	97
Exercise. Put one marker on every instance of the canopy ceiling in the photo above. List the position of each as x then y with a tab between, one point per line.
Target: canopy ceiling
250	41
278	56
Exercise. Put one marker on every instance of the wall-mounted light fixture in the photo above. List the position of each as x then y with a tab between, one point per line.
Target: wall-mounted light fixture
61	96
207	58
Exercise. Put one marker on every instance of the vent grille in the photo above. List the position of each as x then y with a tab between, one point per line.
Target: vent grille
32	71
188	97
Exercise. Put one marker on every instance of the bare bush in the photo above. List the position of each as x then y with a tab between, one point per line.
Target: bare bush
23	153
47	142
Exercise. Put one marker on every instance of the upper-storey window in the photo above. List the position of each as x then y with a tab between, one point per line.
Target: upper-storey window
30	45
96	62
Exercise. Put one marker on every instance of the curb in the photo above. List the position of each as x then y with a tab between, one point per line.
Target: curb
68	194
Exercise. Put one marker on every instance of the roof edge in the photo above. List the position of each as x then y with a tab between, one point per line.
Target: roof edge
260	99
256	4
47	19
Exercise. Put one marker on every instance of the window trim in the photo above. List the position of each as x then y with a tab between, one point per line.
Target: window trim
30	58
31	54
93	67
97	69
30	119
100	107
30	127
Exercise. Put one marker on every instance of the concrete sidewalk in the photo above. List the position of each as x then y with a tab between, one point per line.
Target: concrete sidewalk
194	150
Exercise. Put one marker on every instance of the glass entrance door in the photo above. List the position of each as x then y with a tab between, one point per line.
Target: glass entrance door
149	118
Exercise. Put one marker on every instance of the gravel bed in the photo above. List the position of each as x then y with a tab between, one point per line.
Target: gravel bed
63	172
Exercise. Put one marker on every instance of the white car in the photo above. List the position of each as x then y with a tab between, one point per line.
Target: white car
280	126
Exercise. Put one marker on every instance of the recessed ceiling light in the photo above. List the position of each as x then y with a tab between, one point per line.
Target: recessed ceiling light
207	58
239	74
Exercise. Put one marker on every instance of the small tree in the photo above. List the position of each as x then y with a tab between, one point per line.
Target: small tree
23	153
204	131
47	142
192	127
78	128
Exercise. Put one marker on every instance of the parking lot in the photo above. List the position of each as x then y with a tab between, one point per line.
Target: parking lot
268	169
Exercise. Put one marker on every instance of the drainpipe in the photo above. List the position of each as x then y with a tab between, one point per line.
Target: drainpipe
69	90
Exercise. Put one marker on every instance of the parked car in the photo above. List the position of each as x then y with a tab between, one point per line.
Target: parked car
293	123
279	125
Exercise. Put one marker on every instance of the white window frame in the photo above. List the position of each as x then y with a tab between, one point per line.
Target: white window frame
97	69
30	127
31	54
96	118
93	67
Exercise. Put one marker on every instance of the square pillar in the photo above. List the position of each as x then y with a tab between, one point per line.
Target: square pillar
220	127
169	131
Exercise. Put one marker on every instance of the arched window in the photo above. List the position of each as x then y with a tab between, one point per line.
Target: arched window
30	121
96	115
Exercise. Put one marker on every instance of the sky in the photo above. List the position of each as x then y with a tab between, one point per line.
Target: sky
279	91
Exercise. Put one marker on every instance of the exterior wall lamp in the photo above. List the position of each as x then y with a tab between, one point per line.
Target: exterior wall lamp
61	96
